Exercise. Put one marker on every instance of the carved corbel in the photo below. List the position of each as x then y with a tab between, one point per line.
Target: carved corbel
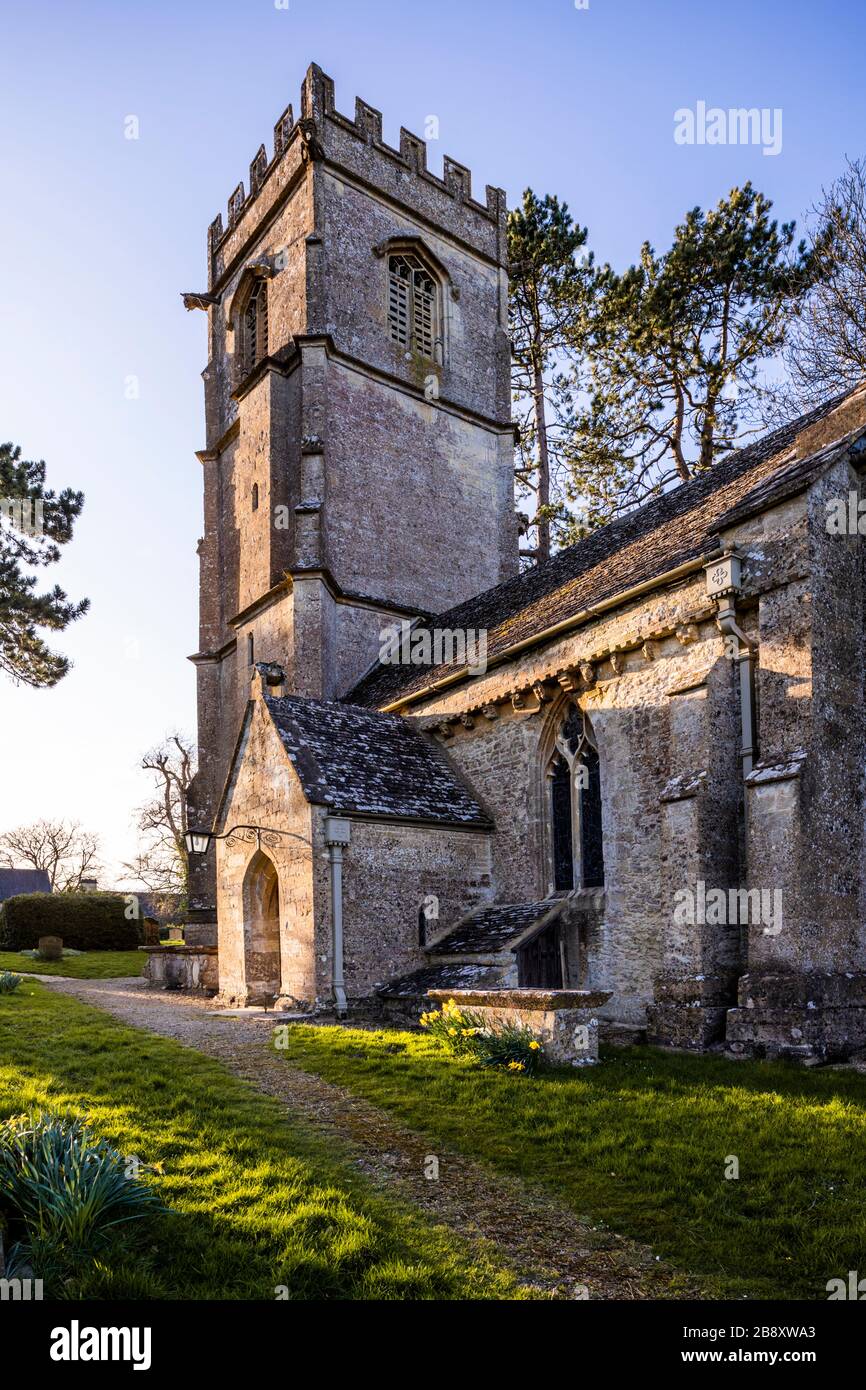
687	633
263	269
311	147
569	681
490	712
525	702
543	691
530	701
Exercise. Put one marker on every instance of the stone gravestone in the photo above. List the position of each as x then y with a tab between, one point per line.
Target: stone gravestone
175	933
50	948
200	934
151	931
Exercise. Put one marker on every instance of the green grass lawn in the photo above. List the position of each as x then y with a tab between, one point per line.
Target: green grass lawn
641	1144
92	965
258	1199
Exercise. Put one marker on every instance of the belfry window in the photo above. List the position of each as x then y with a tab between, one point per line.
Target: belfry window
575	807
413	305
254	327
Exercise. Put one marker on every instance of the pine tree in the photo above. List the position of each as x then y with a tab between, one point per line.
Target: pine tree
34	524
675	348
550	291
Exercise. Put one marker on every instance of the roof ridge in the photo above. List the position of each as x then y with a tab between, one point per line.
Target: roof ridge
518	607
363	762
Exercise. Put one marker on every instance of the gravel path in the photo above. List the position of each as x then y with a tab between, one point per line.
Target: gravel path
548	1247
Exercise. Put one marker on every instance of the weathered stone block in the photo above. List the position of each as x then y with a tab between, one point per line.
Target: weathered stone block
815	1014
565	1021
182	967
200	934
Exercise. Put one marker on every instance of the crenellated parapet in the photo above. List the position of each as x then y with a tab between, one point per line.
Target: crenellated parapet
357	144
318	104
260	169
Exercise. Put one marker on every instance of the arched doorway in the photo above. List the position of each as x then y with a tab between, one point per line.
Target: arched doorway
261	899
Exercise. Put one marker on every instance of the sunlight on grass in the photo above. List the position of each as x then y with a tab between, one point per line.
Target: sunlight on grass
258	1200
642	1143
90	965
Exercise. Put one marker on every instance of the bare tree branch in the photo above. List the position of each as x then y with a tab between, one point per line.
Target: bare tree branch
65	851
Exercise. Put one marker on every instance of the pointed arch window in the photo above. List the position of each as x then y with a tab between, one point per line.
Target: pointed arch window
414	312
575	807
254	327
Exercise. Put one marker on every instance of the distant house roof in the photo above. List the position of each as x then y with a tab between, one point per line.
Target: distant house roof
677	527
358	761
15	881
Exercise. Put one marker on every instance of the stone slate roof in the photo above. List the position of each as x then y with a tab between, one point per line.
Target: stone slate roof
494	928
672	529
358	761
15	881
448	975
488	931
788	481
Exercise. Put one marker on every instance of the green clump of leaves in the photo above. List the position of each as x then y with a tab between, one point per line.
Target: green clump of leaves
509	1045
9	982
68	1191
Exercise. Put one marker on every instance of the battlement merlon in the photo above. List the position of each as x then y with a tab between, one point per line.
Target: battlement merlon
356	147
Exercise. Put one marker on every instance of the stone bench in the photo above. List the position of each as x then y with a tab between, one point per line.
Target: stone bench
182	967
565	1021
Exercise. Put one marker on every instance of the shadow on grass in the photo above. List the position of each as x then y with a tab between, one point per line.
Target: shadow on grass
262	1206
746	1174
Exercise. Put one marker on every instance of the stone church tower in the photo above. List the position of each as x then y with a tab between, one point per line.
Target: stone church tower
358	465
651	790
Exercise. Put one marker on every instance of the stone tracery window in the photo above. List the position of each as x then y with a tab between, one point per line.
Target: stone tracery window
413	304
575	807
254	327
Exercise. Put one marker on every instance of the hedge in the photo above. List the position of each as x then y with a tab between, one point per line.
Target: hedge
84	921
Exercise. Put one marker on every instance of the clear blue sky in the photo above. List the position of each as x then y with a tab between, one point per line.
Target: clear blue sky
99	234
